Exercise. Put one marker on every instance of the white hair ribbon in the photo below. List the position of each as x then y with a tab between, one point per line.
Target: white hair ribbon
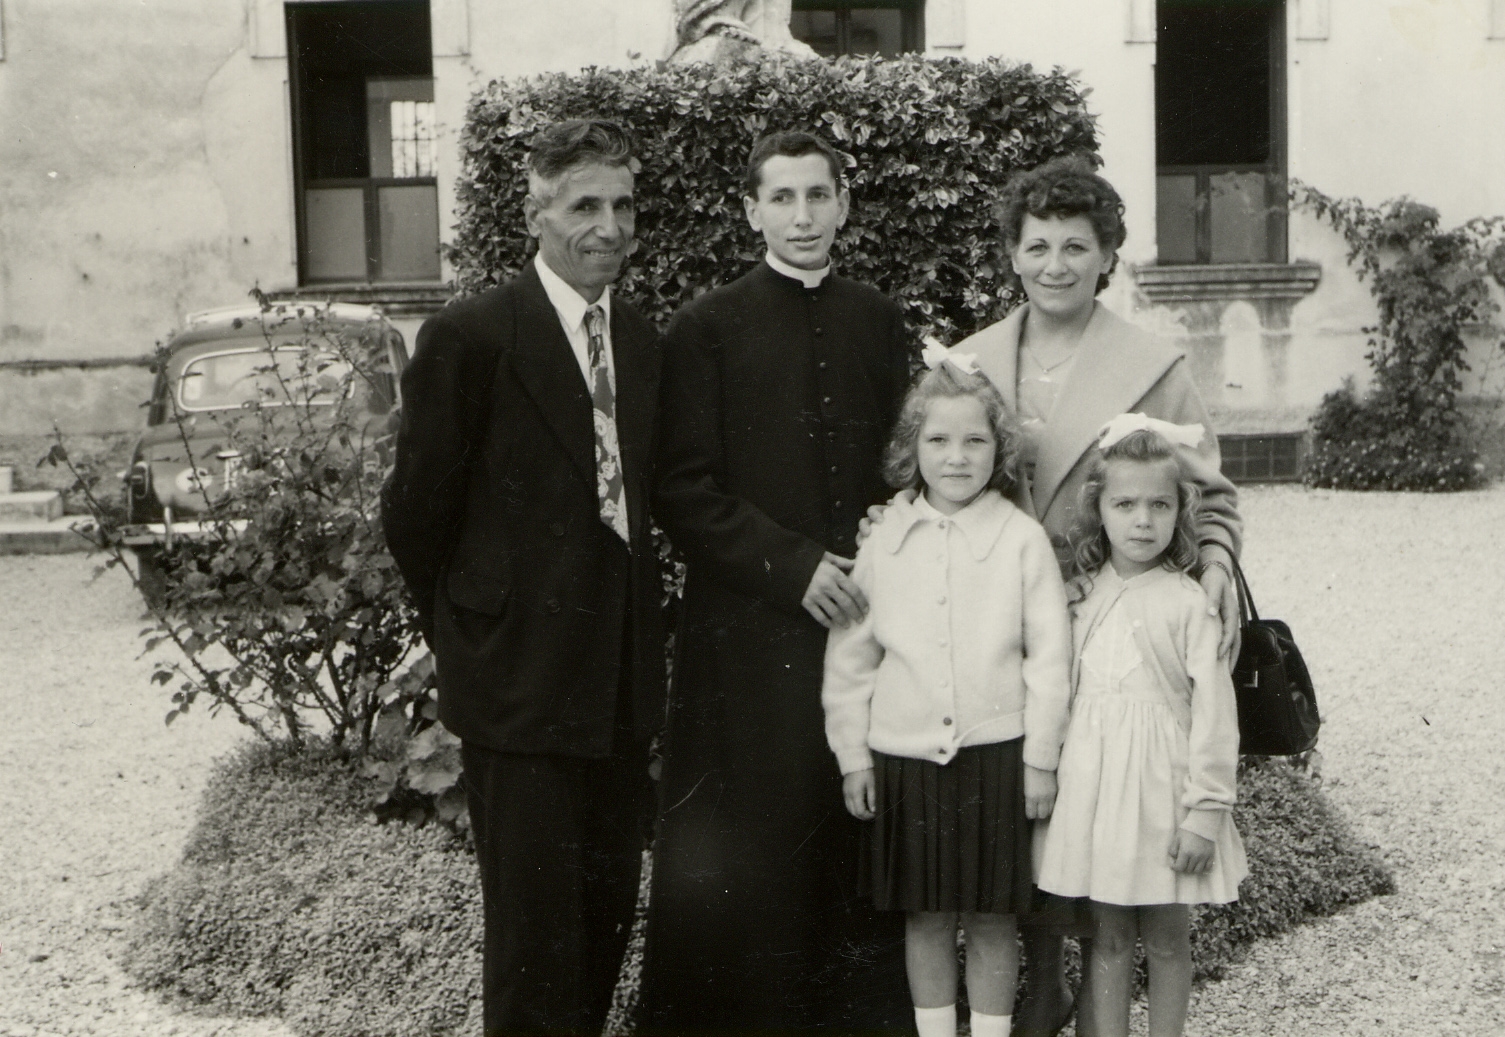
934	354
1121	426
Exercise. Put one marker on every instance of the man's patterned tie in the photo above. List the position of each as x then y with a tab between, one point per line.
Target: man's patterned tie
609	485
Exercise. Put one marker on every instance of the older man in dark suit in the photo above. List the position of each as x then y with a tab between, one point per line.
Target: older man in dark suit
517	513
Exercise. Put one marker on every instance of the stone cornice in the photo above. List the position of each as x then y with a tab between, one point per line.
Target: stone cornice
1226	281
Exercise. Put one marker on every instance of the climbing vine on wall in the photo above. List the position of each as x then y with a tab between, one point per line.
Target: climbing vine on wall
1434	289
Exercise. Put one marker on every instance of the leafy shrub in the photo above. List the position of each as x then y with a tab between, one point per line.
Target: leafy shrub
290	901
289	606
1304	862
1431	286
928	143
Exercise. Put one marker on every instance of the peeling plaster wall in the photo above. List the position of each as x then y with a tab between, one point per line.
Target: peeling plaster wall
144	172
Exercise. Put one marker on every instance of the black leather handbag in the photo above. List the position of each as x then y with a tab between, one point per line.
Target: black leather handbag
1277	705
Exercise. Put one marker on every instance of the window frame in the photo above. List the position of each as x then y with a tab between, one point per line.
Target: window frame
911	20
1274	169
370	186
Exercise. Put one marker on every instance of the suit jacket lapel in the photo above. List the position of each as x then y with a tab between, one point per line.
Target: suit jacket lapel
1114	368
997	350
547	367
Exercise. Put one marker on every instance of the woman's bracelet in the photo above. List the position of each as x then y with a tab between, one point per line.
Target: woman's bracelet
1218	562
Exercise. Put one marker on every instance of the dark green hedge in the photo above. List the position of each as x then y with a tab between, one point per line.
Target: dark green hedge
290	901
930	141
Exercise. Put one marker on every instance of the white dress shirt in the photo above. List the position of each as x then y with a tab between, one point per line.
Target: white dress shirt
571	307
808	278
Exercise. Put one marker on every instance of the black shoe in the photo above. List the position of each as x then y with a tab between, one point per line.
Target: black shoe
1068	1009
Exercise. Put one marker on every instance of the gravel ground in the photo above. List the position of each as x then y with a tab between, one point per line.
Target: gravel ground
1395	599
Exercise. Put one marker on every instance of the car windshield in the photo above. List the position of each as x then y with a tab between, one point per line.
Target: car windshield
272	377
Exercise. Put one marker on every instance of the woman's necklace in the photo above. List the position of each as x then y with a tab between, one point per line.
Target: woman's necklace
1046	369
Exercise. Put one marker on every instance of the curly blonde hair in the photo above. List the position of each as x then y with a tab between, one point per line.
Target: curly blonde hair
901	462
1090	549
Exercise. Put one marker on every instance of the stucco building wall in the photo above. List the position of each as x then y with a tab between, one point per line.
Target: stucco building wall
146	170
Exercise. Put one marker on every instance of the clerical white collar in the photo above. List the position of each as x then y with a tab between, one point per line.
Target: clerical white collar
808	278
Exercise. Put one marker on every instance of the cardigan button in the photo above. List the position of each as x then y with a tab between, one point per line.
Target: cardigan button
947	721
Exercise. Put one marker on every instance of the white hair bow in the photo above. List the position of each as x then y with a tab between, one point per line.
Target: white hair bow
934	354
1121	426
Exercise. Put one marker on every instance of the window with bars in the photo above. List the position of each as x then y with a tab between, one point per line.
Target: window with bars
836	27
1268	458
1220	131
364	141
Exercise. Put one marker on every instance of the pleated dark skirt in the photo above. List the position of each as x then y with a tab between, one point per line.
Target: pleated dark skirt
952	837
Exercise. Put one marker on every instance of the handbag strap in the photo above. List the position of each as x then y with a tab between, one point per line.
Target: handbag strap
1247	613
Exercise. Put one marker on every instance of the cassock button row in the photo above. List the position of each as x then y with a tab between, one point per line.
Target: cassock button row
552	605
820	331
836	504
557	528
833	469
821	365
826	401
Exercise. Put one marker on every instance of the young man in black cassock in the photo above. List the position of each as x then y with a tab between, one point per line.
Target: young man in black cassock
777	397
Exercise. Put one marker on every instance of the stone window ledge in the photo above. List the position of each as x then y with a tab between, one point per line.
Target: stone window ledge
1223	281
419	299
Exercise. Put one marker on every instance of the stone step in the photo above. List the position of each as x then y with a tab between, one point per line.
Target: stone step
31	506
33	537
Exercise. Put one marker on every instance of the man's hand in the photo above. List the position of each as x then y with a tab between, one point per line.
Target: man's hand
1039	793
832	597
1222	597
1190	853
877	511
860	791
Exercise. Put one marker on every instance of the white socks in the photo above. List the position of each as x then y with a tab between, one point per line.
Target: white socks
991	1025
941	1022
936	1022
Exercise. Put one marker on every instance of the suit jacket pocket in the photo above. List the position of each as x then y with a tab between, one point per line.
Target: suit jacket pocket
478	592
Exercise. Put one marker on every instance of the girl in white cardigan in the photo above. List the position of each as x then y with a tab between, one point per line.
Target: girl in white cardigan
1142	825
946	705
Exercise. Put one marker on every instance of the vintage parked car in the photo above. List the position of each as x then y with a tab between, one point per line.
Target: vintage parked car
226	363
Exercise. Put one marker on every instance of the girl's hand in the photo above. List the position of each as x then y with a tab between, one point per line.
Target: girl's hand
1039	793
861	794
1190	853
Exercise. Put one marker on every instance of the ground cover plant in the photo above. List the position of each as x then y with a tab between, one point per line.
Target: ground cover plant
928	141
289	901
1434	289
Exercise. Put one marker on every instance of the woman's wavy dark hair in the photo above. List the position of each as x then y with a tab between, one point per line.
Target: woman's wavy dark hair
1090	549
1064	187
901	462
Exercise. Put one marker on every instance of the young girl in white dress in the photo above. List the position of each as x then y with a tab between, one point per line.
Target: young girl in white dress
1142	823
946	705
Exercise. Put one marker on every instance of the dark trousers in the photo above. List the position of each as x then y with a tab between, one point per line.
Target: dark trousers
559	842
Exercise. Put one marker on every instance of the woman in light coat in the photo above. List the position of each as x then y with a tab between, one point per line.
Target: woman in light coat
1065	365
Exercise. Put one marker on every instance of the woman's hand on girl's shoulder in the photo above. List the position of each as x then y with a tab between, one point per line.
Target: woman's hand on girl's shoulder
1039	793
860	790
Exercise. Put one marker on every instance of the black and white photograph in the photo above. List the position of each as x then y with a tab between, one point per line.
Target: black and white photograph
752	518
